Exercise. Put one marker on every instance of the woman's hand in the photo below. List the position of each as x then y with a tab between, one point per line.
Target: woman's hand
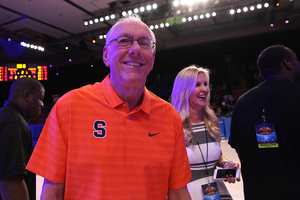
230	178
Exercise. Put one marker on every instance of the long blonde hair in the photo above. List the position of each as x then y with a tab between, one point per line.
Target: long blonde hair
184	85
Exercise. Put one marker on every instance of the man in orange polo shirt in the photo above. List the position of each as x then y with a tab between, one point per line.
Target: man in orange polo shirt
115	139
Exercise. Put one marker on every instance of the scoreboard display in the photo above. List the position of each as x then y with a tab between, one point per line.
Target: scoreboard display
11	72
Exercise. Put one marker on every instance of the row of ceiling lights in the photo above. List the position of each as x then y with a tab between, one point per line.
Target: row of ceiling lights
124	13
207	15
32	46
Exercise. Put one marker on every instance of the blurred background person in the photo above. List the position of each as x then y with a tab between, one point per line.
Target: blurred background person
265	128
191	97
24	103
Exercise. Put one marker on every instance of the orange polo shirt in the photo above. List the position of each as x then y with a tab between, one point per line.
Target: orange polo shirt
100	150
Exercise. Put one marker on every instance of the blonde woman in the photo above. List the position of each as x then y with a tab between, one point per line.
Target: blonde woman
190	97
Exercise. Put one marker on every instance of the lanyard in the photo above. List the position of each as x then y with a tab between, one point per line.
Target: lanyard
268	102
206	154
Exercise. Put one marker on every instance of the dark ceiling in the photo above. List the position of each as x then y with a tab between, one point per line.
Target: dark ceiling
54	24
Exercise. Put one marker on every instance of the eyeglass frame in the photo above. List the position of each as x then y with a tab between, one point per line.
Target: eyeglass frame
132	40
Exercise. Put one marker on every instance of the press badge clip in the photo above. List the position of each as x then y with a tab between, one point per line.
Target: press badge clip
266	134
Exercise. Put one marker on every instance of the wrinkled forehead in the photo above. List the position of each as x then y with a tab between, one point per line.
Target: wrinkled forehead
131	28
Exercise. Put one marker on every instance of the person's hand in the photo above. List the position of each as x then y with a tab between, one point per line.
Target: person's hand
230	178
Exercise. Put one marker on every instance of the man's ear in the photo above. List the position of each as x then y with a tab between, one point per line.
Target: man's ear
26	96
105	56
287	64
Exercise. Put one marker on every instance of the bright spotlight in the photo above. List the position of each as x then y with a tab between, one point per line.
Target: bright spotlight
252	8
136	10
207	15
201	16
142	9
232	11
156	26
151	27
239	10
148	7
107	18
245	9
259	6
91	22
214	14
183	19
161	25
154	6
176	3
112	16
167	24
101	19
195	17
266	5
86	23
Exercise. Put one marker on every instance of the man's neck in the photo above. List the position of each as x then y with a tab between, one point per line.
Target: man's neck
132	95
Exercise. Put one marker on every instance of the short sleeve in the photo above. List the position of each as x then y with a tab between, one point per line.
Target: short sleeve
49	156
180	171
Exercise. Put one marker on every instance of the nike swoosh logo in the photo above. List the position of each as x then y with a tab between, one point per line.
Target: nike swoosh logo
150	135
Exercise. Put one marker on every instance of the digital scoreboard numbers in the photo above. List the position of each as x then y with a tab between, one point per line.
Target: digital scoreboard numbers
12	72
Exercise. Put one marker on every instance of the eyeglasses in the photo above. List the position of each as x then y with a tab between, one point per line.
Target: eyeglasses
126	42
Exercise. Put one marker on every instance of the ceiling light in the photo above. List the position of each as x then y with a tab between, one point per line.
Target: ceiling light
232	11
167	24
129	12
86	23
214	14
96	20
142	9
201	16
162	25
123	13
176	3
238	10
93	39
107	18
151	27
136	10
101	19
207	15
184	19
259	6
91	22
195	17
252	8
148	7
112	16
267	5
156	26
154	6
189	19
